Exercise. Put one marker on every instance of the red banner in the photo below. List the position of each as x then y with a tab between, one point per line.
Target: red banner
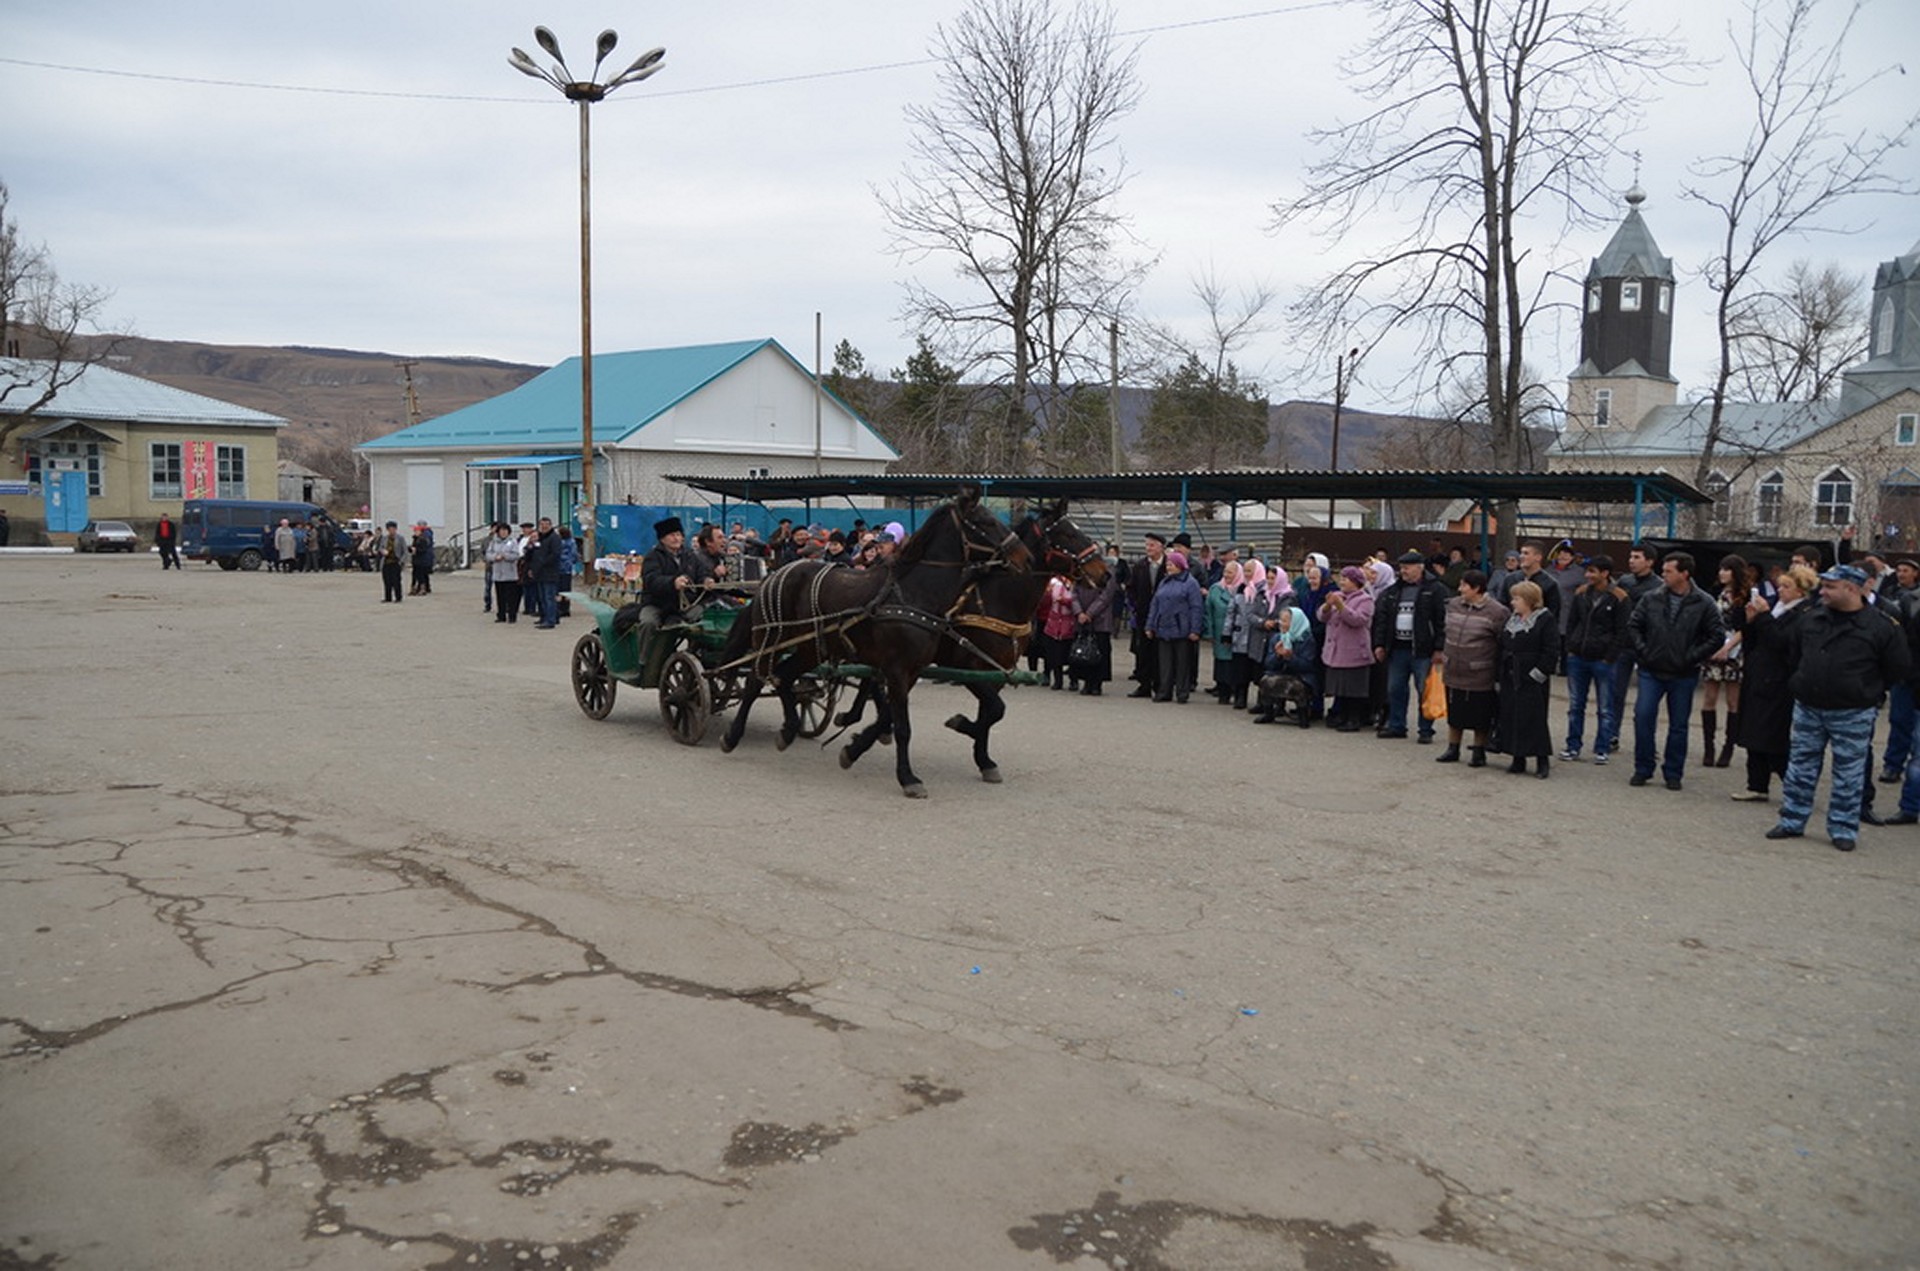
199	474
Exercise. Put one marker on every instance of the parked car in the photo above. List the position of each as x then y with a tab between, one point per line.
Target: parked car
108	536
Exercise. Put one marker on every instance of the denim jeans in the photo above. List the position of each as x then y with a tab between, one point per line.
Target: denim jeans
1850	733
1677	691
1900	720
1403	667
1596	673
1623	677
549	603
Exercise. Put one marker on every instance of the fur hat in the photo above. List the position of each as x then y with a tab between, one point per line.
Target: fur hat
669	526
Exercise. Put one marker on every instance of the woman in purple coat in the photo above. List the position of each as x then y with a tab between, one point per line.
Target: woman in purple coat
1346	655
1175	620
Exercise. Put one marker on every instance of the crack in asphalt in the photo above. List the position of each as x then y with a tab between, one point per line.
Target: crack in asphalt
1135	1236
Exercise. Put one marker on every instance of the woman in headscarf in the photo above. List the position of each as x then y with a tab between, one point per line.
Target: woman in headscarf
1346	654
1224	615
1250	633
1470	666
1380	576
1174	620
1093	612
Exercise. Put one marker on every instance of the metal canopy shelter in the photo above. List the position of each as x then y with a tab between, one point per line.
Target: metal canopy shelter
1231	488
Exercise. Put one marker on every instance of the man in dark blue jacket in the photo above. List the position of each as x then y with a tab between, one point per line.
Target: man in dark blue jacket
1596	632
1409	623
1845	655
1674	631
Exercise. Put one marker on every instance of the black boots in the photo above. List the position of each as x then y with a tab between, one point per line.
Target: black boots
1479	759
1450	755
1726	748
1709	724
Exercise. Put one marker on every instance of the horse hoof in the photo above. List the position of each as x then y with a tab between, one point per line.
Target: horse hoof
847	756
914	791
959	723
991	776
783	741
845	719
727	744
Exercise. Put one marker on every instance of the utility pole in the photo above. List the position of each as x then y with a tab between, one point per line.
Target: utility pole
1342	380
1113	409
413	398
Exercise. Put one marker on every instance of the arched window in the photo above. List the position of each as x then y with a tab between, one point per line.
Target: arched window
1593	298
1602	407
1883	329
1833	498
1666	296
1768	498
1721	489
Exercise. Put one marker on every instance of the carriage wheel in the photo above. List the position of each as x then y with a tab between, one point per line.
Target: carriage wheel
815	698
593	683
686	700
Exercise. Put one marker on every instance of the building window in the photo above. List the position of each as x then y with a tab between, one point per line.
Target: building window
1630	295
63	454
1906	429
500	495
1593	298
164	470
1602	407
1768	497
1721	491
1883	329
1833	499
1665	292
230	471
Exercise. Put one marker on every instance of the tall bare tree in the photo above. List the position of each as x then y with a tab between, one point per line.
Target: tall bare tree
1790	177
43	320
1015	175
1491	120
1795	338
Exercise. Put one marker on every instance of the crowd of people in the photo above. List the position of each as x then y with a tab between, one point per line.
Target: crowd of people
1789	662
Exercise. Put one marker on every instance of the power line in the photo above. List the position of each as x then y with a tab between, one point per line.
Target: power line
733	86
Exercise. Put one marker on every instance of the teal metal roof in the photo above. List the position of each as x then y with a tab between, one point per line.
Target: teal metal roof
630	390
116	397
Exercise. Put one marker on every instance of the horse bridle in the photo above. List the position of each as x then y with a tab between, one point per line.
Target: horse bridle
1058	560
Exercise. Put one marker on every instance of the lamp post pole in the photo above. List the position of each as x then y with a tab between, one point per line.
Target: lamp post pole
1341	366
585	92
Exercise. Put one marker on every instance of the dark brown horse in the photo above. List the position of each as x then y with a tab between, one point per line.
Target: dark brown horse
991	628
894	619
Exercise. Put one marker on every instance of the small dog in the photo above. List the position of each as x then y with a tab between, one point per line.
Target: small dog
1277	692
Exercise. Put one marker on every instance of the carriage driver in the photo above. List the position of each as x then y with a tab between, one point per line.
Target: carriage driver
663	579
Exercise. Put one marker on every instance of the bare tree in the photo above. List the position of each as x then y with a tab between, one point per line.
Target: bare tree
1793	341
1491	120
1789	178
44	321
1015	175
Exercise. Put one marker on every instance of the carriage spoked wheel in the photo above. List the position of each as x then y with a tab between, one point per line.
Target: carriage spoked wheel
815	697
686	699
593	683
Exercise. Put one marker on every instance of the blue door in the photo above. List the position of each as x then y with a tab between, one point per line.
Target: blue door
66	495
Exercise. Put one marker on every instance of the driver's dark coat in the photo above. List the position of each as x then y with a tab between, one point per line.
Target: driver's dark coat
657	571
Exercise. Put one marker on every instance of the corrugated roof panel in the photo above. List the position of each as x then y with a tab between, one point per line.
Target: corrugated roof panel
629	390
102	393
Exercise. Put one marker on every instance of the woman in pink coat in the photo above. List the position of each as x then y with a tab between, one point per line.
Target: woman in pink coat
1347	654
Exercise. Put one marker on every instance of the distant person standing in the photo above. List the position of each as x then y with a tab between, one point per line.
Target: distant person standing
1674	631
286	546
422	559
390	550
6	528
502	555
166	536
543	570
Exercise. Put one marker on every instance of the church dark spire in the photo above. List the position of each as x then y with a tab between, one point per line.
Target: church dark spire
1627	328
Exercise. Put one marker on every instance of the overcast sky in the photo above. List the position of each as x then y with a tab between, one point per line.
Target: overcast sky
442	219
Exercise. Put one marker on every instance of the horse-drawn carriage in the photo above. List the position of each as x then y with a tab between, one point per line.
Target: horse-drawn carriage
682	660
954	606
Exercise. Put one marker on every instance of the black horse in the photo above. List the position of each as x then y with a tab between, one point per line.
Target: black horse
894	619
991	628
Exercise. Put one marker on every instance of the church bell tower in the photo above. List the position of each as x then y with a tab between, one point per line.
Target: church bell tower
1626	332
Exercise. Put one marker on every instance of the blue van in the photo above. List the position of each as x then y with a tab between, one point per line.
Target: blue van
228	531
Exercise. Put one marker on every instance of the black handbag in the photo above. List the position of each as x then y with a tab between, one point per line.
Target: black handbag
1084	655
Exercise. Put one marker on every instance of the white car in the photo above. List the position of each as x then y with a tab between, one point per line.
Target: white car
108	536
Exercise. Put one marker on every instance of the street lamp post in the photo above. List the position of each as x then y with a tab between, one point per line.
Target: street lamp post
1342	368
586	92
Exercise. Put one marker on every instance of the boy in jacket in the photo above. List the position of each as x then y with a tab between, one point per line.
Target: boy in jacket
1596	633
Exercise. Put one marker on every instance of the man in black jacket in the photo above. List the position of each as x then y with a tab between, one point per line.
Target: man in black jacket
1596	632
1674	631
1641	579
543	571
1845	654
1409	624
1141	581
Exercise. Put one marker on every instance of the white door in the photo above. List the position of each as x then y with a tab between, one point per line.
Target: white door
426	493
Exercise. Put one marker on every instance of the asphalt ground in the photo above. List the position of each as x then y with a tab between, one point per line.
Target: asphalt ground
335	935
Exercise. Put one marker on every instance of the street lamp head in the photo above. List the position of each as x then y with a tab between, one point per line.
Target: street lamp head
647	64
602	47
520	61
545	39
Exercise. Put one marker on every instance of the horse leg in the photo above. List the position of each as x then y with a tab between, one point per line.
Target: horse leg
788	675
898	686
750	690
881	729
852	714
992	711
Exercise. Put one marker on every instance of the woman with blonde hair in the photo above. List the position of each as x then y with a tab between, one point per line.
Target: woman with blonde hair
1529	649
1766	719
